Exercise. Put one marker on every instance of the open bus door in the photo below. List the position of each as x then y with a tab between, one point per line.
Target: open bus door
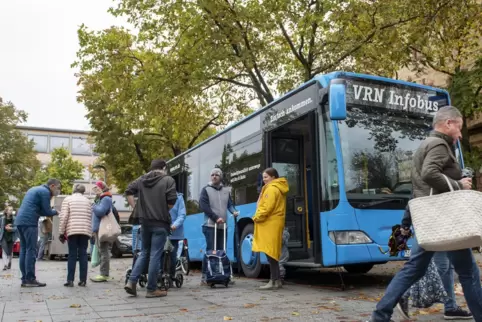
291	150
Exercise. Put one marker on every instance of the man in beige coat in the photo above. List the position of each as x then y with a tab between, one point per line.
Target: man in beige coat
76	228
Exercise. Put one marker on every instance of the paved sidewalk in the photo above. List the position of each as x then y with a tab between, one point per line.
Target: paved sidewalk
241	302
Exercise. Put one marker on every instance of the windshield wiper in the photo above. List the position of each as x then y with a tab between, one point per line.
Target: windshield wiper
378	202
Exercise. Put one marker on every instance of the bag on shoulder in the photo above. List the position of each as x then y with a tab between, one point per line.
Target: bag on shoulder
448	221
109	229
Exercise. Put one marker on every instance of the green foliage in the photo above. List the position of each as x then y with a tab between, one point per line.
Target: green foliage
194	66
18	161
450	45
61	167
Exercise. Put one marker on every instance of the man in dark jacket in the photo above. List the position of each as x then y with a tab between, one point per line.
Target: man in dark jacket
36	203
433	159
156	195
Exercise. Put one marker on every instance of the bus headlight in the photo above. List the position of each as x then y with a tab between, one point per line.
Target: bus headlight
349	237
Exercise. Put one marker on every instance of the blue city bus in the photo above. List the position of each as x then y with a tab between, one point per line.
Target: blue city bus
345	142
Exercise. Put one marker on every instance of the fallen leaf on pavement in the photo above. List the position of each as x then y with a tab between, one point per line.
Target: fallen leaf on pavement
249	305
295	313
227	318
183	310
75	306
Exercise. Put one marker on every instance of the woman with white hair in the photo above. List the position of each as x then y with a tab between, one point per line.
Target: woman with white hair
76	228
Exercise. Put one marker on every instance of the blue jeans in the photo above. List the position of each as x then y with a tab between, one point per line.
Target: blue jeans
77	249
153	240
209	235
175	243
28	251
446	272
414	269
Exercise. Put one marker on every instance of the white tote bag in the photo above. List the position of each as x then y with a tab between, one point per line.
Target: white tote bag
109	229
448	221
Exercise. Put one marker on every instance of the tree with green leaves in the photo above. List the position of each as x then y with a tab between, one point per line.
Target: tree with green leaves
194	66
135	112
18	161
61	167
270	47
450	45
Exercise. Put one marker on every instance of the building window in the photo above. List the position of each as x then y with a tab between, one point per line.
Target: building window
81	146
41	142
59	142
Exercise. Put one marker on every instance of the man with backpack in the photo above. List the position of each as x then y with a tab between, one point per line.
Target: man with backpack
156	195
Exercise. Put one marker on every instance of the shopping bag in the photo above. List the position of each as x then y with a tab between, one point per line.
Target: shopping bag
109	229
95	256
448	221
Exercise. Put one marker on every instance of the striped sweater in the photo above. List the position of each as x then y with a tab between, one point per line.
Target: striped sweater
76	216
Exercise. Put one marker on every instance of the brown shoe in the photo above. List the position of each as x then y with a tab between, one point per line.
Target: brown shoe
130	288
156	293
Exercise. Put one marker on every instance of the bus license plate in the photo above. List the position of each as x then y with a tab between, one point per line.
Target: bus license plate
407	253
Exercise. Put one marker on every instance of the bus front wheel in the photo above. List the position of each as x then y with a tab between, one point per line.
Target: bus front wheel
250	261
358	268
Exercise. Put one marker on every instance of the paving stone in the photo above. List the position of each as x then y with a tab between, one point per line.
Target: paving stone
241	302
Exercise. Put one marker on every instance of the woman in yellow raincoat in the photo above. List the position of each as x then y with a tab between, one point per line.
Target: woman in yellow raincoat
269	222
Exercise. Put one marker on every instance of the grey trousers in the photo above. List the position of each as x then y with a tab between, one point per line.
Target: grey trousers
104	252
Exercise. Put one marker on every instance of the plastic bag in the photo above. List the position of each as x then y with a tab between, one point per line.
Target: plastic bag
168	246
95	256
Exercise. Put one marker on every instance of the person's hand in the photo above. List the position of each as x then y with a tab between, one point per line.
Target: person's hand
173	227
62	239
220	221
466	183
405	231
8	227
236	213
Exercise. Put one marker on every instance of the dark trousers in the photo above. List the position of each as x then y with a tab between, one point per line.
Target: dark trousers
28	251
273	268
77	249
209	235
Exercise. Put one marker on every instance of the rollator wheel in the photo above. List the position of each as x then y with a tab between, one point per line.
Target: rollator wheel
142	281
166	281
179	280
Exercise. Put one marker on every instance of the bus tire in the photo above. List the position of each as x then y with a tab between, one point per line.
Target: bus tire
358	268
254	270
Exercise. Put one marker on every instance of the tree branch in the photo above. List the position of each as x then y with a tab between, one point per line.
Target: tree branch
232	81
370	36
429	64
297	54
204	128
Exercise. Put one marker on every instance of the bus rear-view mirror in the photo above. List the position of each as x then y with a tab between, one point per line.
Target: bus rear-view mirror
337	99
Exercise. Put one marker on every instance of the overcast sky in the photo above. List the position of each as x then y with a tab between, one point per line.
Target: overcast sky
38	42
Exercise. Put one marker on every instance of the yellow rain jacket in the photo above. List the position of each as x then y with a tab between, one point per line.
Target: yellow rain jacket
269	220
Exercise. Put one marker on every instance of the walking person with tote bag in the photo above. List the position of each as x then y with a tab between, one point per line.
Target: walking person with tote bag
436	171
101	209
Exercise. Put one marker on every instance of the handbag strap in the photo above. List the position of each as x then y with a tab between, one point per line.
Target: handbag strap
448	183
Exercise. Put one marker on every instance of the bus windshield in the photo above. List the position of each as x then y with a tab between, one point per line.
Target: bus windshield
385	124
377	147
